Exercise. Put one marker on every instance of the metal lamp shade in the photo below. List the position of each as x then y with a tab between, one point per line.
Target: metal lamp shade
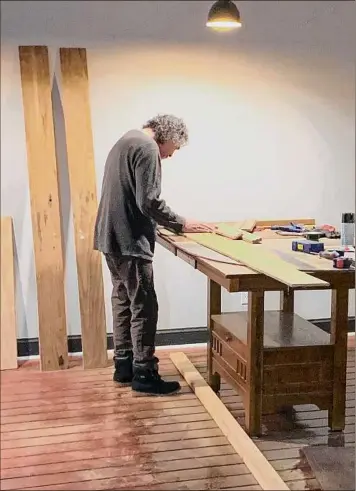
224	15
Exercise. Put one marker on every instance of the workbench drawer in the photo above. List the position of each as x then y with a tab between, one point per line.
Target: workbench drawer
228	338
226	355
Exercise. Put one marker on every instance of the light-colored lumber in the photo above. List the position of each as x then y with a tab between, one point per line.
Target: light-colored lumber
258	259
288	234
7	298
269	223
248	225
165	232
45	208
252	238
255	461
228	231
81	169
235	231
198	251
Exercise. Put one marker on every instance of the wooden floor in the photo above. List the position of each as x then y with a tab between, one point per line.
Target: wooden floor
77	430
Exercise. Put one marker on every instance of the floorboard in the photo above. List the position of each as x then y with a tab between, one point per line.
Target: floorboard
78	430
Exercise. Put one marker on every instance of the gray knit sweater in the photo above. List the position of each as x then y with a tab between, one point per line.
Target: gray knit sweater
130	204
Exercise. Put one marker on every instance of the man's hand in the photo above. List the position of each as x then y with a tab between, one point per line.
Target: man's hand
196	227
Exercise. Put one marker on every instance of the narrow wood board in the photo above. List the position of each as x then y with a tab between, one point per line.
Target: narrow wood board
235	231
248	225
253	458
8	297
258	259
164	232
223	229
229	231
46	217
269	223
198	251
81	169
252	238
288	234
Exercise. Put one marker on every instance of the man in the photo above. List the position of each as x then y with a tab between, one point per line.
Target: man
125	232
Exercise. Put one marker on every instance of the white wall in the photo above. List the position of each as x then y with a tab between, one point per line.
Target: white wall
270	108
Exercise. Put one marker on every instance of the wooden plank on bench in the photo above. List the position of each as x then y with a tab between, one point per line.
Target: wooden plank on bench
258	259
81	168
8	302
45	208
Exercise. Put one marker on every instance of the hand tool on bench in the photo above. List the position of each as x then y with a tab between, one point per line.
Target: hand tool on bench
314	235
333	235
338	251
331	254
320	231
292	228
343	263
307	246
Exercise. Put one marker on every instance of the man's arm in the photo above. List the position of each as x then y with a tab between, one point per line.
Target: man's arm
148	190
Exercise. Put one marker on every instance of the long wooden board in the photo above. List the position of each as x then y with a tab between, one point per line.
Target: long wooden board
269	223
81	168
261	469
46	217
258	259
8	297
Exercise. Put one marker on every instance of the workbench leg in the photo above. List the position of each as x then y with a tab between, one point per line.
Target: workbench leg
286	307
255	331
287	301
338	337
214	308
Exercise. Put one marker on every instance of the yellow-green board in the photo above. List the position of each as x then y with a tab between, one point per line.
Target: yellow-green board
258	259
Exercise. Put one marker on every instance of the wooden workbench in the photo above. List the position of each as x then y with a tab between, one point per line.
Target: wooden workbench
273	359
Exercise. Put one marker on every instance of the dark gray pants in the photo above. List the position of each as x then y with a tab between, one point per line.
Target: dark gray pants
134	309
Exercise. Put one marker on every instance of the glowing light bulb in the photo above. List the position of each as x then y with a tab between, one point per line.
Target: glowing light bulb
224	16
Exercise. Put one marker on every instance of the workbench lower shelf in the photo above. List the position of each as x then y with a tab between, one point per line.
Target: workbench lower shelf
297	362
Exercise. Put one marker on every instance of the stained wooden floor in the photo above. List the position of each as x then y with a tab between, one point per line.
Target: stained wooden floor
77	430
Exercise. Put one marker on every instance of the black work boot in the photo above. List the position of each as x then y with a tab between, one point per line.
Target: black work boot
148	381
123	369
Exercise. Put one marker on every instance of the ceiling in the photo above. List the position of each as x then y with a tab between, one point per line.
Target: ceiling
316	24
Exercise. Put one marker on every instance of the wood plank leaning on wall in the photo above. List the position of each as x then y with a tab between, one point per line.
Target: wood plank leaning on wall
7	298
81	169
45	208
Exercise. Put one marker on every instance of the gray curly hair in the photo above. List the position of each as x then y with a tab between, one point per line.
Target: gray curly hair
168	128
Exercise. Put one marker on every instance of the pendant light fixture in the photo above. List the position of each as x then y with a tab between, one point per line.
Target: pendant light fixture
224	16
